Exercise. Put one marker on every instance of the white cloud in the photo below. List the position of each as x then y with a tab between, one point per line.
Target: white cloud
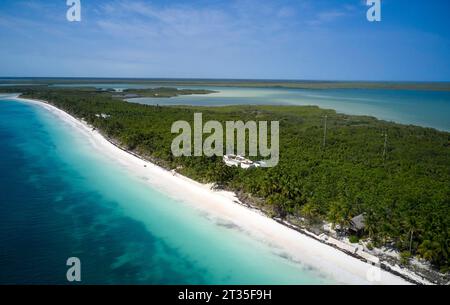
188	21
333	15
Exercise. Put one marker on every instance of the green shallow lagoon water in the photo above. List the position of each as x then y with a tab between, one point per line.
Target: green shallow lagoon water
422	108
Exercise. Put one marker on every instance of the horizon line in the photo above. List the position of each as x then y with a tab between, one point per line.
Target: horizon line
218	79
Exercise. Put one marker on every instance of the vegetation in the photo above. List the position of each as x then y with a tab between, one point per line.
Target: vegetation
404	193
353	239
165	92
433	86
405	256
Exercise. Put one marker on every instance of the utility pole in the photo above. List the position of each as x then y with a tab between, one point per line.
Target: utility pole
385	145
325	132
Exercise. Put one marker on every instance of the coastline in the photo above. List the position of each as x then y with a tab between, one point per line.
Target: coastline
298	244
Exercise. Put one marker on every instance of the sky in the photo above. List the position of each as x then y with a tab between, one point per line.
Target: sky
238	39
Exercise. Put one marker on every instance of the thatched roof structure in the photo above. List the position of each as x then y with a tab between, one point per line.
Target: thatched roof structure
357	223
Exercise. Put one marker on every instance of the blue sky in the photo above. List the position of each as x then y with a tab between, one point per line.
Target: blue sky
257	39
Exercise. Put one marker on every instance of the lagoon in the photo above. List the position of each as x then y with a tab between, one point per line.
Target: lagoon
426	108
423	108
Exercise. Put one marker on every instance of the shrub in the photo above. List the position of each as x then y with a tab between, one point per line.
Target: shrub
353	239
405	256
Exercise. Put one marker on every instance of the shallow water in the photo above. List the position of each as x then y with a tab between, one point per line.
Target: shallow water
423	108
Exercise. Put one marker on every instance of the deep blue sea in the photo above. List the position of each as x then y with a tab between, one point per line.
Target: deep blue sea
60	199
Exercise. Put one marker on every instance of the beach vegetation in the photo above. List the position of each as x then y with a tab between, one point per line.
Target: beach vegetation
405	257
353	239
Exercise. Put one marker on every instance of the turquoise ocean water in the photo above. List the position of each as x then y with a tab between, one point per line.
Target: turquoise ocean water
61	199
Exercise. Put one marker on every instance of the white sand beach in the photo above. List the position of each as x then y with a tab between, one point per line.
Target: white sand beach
222	205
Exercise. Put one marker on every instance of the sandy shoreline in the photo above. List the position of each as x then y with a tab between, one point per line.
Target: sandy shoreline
224	205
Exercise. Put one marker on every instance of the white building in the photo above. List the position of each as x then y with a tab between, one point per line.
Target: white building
230	160
240	161
103	115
